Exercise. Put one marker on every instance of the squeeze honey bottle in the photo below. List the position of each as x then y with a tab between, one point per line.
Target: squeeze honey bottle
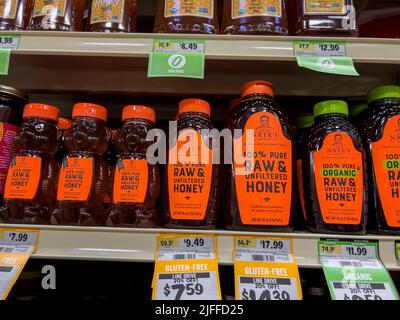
187	16
381	133
15	14
336	188
57	15
113	16
257	17
136	183
83	179
260	182
30	190
324	17
191	179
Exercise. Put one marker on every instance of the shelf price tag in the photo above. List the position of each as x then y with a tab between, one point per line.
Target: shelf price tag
186	268
16	246
397	248
8	41
354	271
324	56
177	58
265	269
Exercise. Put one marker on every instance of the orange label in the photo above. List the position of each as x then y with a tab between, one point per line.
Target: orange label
299	164
76	178
130	181
339	179
264	180
23	178
386	165
189	176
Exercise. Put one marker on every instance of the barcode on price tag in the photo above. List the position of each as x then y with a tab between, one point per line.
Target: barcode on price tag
185	247
351	263
10	42
187	286
179	46
319	48
253	288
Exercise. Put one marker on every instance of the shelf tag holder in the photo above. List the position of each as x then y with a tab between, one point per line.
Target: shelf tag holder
354	271
16	247
8	42
186	268
324	56
177	58
265	269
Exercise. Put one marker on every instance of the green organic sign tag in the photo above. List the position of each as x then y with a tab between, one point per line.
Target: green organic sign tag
335	65
324	56
353	271
398	251
4	61
177	58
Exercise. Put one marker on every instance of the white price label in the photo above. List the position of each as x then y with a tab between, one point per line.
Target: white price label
362	291
264	250
320	48
9	42
187	286
251	288
168	46
14	241
186	248
351	263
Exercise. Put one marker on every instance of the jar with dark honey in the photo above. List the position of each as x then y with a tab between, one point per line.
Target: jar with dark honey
15	14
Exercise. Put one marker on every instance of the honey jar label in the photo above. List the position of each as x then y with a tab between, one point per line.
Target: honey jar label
386	167
107	11
189	176
196	8
76	179
251	8
23	178
339	180
263	180
324	6
8	9
130	181
49	8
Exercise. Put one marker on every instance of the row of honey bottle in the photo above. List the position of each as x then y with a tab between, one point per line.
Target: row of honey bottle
256	193
276	17
349	168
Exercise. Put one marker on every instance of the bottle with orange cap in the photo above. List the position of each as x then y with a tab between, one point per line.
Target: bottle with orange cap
31	183
136	183
63	124
83	176
191	179
259	193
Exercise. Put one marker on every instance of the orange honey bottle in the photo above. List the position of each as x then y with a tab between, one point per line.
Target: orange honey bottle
83	179
136	183
30	190
191	179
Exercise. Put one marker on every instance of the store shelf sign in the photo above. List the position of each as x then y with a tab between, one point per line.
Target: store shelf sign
16	247
186	268
354	271
177	58
324	56
265	269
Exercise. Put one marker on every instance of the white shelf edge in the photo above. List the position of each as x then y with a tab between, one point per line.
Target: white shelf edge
226	47
138	245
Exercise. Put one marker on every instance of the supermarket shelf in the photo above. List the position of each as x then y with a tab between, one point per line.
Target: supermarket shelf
273	48
57	62
138	245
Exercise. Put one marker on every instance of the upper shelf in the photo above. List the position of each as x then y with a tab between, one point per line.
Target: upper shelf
138	245
222	47
54	62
